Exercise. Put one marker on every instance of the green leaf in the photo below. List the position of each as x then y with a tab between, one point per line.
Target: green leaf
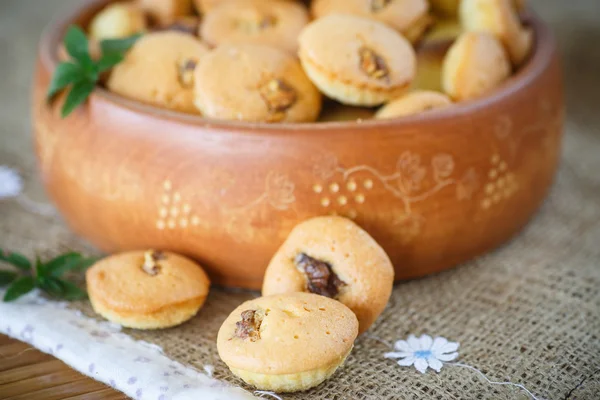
61	264
72	291
66	73
108	61
77	46
7	277
119	45
52	286
77	96
19	288
16	260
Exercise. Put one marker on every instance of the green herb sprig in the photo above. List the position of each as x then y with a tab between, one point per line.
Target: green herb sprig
82	73
48	276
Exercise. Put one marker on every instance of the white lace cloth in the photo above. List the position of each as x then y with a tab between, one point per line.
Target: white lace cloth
101	351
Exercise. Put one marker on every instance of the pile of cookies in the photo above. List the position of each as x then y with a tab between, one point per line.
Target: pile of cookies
327	284
275	60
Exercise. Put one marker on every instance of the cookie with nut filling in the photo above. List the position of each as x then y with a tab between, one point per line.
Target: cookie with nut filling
159	70
255	83
474	66
499	18
274	23
147	289
287	343
118	20
355	60
409	17
333	257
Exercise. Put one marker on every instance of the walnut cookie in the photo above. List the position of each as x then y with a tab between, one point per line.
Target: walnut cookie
159	70
264	84
335	258
274	23
355	60
287	343
147	290
409	17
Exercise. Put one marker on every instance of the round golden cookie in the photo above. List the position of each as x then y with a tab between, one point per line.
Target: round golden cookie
287	343
475	65
118	20
159	70
165	12
255	83
333	257
355	60
268	22
412	103
501	19
409	17
147	290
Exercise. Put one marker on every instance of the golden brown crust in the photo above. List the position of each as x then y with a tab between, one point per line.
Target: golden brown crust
298	332
357	260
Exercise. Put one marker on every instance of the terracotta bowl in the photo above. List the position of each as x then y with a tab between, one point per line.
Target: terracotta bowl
434	190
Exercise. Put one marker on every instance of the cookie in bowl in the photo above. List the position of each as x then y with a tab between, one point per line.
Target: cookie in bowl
409	17
264	84
287	343
147	290
475	64
501	19
412	103
355	60
118	20
159	70
335	258
275	23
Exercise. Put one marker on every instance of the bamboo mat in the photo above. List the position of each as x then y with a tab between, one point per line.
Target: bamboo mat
28	374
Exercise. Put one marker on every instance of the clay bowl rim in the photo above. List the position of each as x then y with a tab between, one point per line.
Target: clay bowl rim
543	50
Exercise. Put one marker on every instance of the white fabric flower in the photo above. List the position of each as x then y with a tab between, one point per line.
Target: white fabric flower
11	184
424	352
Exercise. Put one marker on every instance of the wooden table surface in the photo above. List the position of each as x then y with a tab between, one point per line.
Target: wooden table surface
28	374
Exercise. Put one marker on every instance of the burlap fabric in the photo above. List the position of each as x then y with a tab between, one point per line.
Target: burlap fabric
528	313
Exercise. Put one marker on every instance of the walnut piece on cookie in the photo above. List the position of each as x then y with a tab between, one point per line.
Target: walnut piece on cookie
288	342
147	289
335	258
